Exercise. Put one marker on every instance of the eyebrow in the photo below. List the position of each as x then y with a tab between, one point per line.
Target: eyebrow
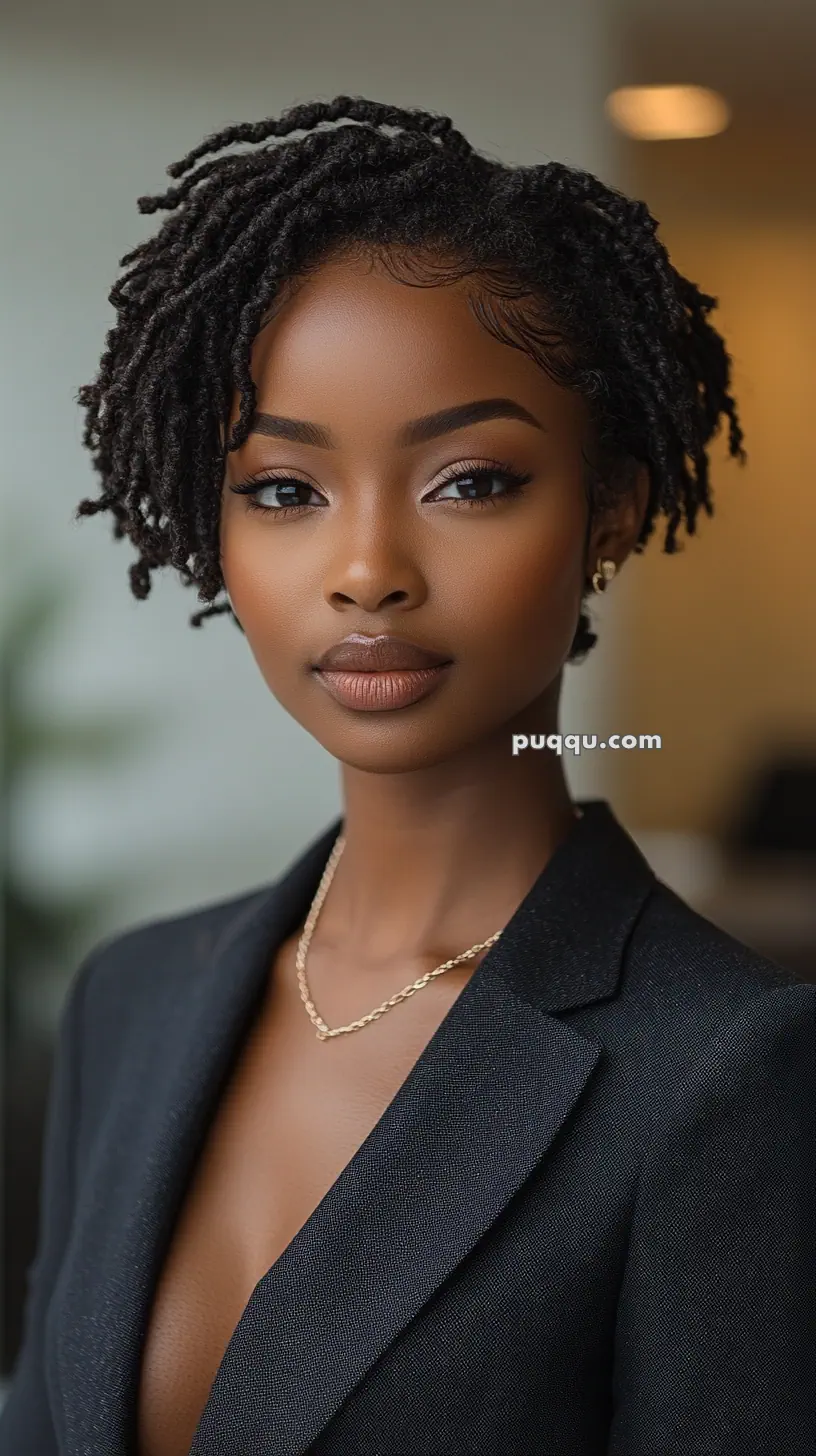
416	432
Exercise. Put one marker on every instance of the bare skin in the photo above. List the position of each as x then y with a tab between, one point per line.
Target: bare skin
445	830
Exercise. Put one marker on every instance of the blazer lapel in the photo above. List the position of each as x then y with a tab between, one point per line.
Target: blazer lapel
144	1155
476	1114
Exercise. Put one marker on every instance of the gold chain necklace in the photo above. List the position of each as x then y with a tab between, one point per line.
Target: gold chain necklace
323	1031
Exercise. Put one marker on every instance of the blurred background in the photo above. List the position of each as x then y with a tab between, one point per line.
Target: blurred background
127	791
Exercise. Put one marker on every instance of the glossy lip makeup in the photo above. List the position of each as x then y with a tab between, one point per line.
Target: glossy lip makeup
381	673
378	691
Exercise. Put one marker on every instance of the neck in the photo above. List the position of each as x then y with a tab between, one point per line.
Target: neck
442	857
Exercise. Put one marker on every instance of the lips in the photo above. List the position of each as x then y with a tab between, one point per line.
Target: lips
379	692
358	653
379	673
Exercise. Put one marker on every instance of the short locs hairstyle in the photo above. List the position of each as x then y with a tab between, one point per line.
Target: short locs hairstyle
567	269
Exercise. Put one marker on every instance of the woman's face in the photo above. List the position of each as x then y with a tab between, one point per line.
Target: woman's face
381	539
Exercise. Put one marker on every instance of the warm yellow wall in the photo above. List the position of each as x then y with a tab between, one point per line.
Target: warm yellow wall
722	636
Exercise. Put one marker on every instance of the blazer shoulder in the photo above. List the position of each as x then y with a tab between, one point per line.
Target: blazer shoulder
689	947
690	994
150	956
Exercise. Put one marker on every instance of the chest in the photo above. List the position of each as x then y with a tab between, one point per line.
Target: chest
292	1115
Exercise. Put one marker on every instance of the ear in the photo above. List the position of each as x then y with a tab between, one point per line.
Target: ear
617	527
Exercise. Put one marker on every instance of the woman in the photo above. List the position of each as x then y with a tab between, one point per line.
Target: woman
467	1134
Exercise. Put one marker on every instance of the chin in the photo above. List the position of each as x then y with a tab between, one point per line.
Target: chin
391	761
389	751
393	744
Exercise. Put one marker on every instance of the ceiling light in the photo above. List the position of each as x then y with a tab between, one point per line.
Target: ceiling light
661	113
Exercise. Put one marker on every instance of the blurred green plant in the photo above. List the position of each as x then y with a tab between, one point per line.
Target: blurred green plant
43	928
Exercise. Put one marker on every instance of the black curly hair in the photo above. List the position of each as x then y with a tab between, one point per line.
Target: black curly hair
570	271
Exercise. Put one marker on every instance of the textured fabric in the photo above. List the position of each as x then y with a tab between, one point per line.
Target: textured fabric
584	1226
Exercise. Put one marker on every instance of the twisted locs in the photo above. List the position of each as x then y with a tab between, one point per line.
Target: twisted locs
564	267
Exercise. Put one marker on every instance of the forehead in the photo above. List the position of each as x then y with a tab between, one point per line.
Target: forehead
355	307
350	336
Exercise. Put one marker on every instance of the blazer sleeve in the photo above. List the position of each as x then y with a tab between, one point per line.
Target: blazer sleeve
716	1331
26	1427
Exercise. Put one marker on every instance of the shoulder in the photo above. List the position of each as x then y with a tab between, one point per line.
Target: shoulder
708	1046
688	986
155	961
686	942
720	1239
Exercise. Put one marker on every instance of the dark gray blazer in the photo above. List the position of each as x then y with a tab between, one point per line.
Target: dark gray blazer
584	1225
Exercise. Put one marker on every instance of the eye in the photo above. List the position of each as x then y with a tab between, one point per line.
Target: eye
476	480
289	495
286	493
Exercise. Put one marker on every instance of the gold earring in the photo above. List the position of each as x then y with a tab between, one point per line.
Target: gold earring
605	572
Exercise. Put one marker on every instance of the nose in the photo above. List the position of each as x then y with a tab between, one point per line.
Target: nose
375	567
373	586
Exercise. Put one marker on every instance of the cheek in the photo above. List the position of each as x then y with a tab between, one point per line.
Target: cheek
504	595
520	595
261	578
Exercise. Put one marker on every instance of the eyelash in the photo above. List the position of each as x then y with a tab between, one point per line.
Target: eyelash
480	470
